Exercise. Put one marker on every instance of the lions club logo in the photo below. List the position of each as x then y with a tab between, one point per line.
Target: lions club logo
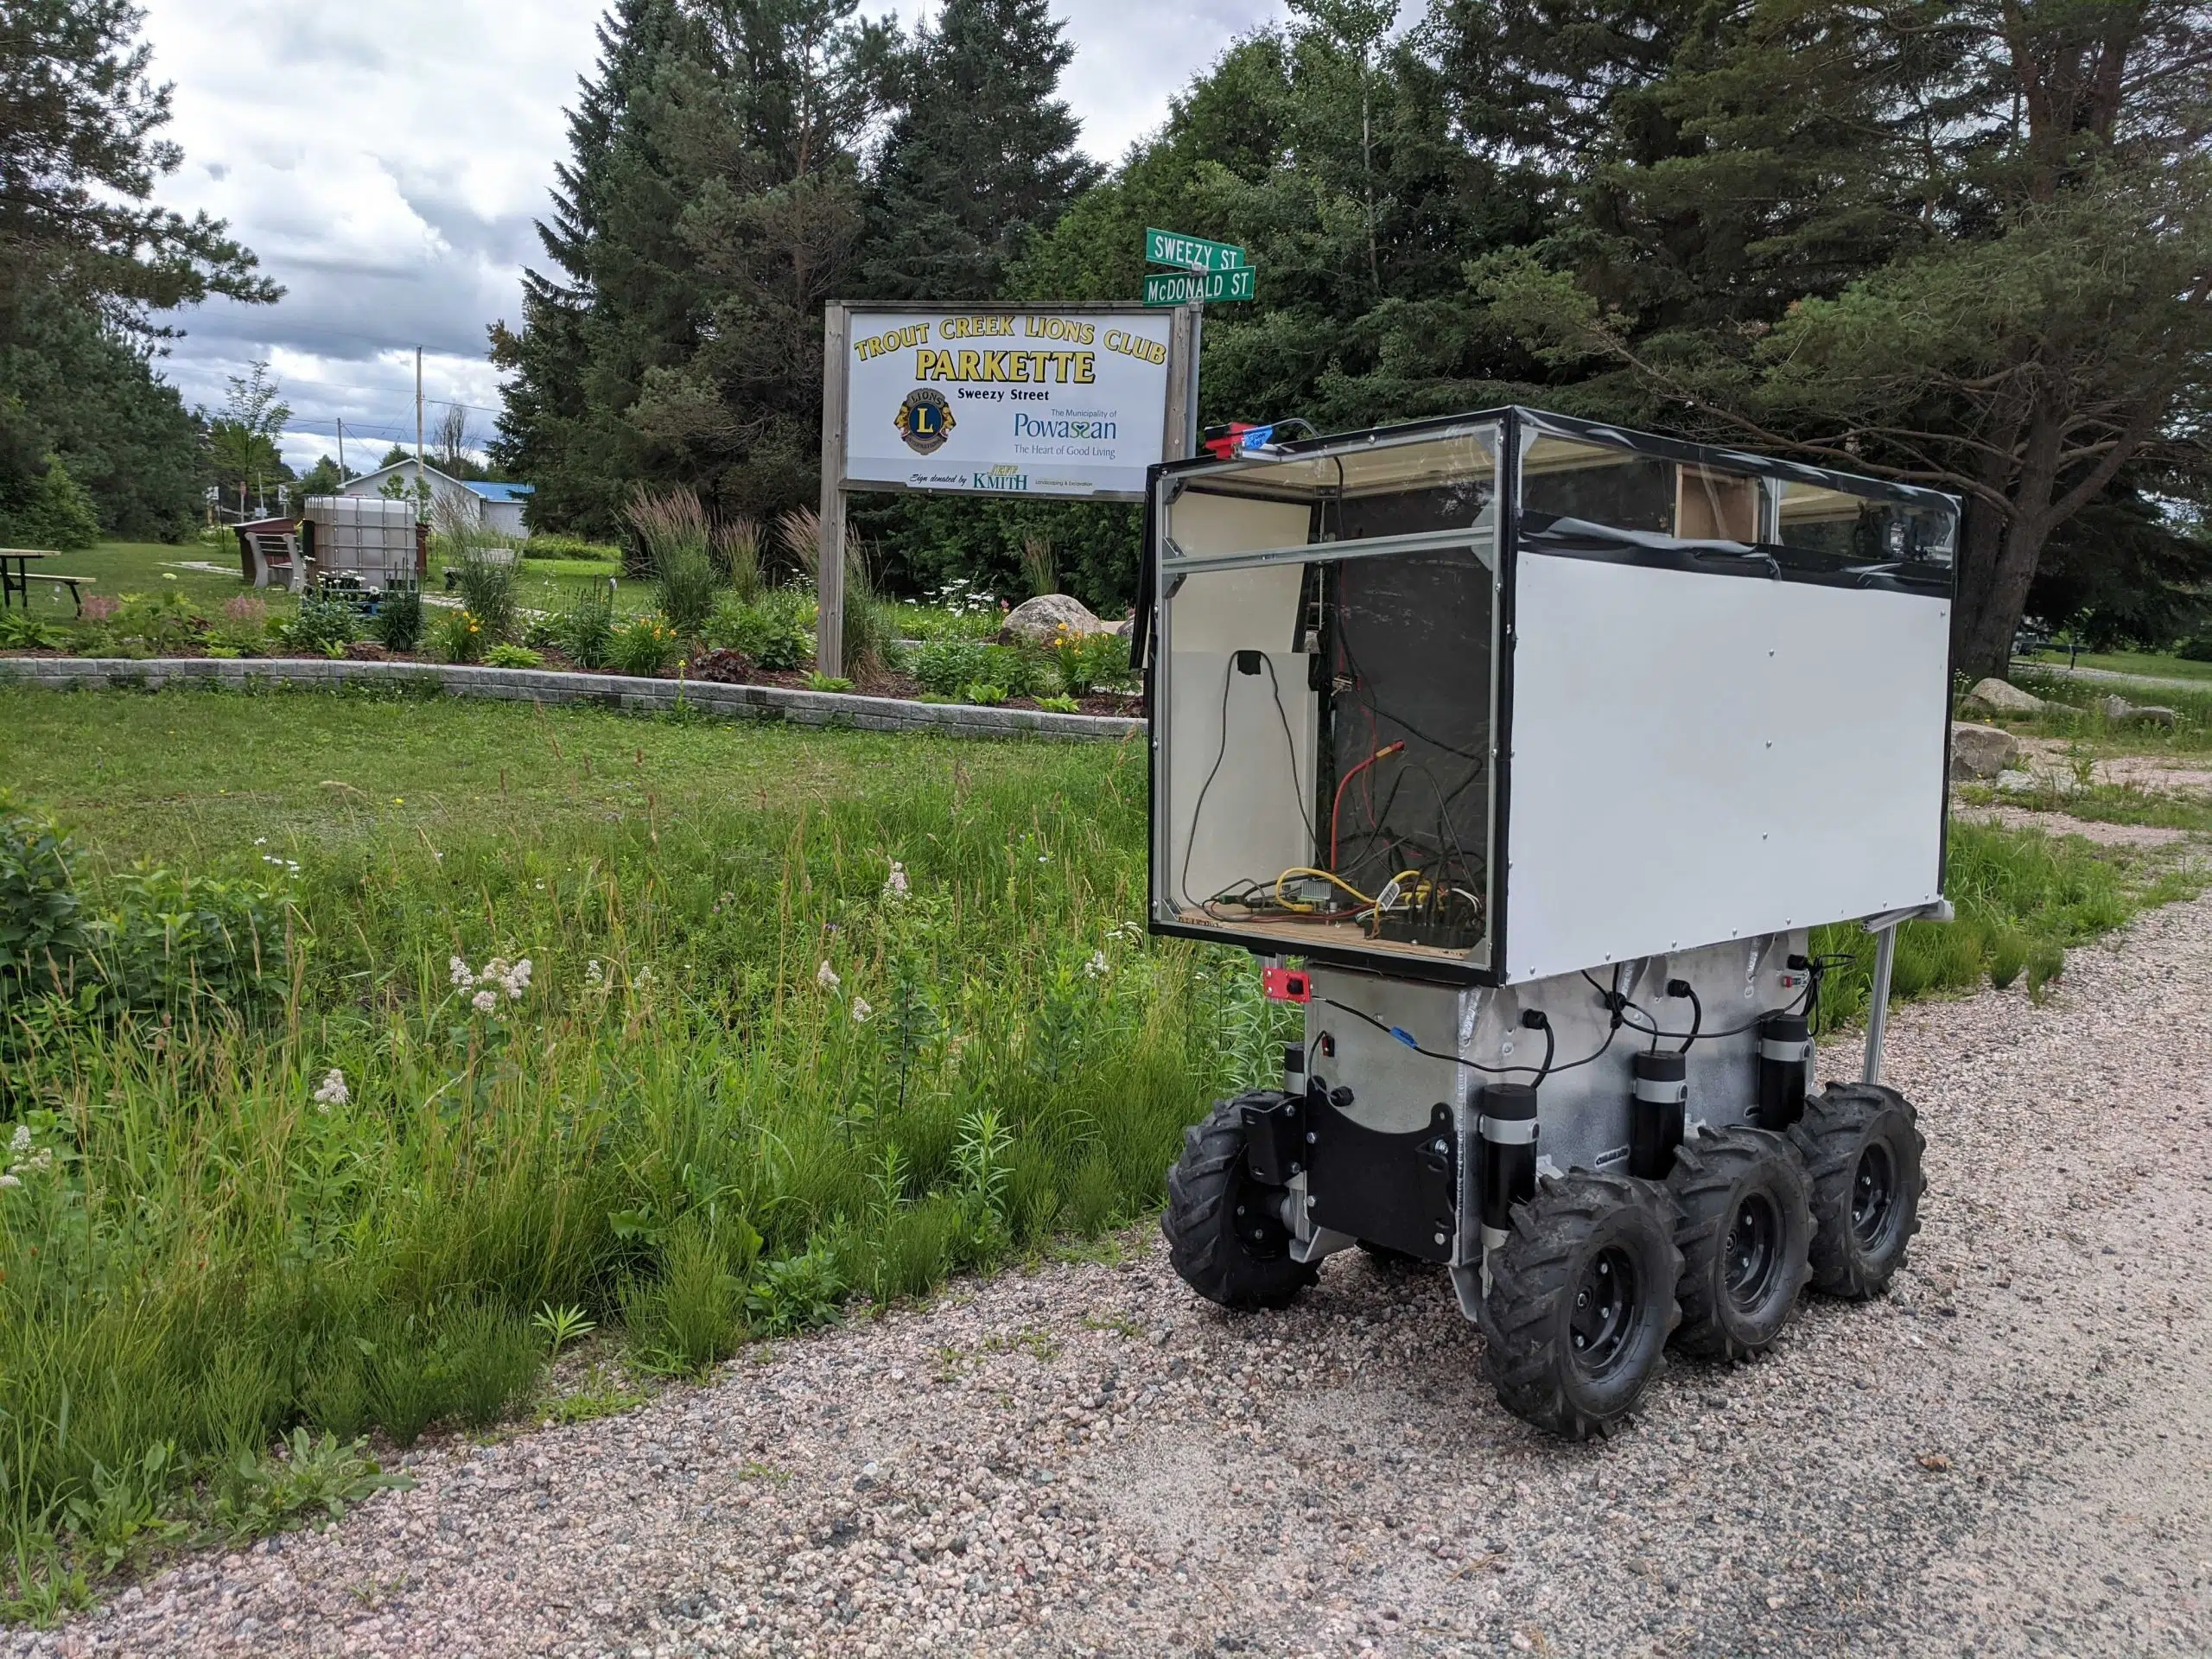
925	420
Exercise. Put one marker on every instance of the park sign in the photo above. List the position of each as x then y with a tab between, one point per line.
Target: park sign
1190	252
1006	401
1185	286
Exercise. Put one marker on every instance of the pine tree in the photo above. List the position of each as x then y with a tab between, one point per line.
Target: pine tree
982	154
560	425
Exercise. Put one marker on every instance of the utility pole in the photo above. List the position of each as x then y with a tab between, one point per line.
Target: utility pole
419	481
342	449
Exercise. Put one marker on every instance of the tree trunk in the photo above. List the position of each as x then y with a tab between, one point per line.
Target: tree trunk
1982	644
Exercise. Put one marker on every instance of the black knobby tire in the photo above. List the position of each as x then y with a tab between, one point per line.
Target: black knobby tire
1225	1234
1862	1145
1746	1234
1581	1301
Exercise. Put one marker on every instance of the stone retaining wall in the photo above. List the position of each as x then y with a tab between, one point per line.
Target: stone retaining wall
770	702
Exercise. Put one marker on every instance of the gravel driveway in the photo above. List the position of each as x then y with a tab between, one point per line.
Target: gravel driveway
2011	1454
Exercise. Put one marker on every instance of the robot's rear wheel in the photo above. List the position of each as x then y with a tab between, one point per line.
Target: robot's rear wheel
1745	1235
1862	1144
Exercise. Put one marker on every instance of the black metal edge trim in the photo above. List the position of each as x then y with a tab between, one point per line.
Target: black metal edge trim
1708	455
1611	437
1379	963
1765	561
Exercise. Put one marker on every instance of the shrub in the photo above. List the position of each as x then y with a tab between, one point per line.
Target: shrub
244	628
645	645
721	667
768	631
48	509
460	636
398	625
1060	705
984	695
947	667
20	631
508	655
585	631
827	682
325	625
568	547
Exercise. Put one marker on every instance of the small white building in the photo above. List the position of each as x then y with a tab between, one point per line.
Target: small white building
496	506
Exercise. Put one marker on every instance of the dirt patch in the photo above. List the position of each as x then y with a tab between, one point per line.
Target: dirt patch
2057	824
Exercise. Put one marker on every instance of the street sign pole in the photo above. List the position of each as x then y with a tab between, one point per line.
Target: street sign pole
1201	269
1191	411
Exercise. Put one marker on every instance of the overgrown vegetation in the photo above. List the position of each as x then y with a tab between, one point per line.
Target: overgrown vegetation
697	1075
515	1024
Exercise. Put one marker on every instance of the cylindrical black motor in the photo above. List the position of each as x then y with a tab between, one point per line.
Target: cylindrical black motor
1656	1096
1508	1127
1785	1045
1294	1068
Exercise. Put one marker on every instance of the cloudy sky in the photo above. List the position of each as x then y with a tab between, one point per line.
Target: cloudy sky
386	163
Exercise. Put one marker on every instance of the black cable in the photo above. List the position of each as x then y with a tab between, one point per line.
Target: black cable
1406	1038
1311	837
1191	846
1697	1013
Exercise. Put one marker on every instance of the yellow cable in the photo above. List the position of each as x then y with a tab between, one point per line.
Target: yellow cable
1318	875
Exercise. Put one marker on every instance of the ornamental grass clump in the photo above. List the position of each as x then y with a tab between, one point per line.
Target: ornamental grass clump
678	540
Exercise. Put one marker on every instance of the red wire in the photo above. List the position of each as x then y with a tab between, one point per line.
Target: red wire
1336	805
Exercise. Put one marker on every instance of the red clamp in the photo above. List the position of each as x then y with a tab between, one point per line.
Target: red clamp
1286	984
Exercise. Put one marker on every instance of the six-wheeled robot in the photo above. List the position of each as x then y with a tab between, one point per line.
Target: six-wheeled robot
1526	753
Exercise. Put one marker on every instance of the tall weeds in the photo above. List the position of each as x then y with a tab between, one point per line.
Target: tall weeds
747	1074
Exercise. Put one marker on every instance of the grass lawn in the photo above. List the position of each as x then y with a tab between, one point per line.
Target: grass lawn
2153	666
805	1016
119	568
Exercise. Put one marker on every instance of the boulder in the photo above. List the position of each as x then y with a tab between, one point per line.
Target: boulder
2151	714
2115	710
1042	618
1995	696
1981	752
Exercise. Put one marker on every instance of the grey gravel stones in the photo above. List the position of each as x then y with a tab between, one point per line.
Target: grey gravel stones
2008	1454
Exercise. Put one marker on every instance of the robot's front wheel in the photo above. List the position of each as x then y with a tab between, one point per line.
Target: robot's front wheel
1582	1299
1225	1231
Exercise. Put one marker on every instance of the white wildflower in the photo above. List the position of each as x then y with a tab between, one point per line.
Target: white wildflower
594	974
20	1142
42	1160
494	970
860	1011
458	971
894	886
333	1091
10	1180
485	1001
1096	966
517	979
826	976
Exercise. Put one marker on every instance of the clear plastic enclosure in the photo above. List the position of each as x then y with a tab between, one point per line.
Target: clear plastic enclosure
1325	694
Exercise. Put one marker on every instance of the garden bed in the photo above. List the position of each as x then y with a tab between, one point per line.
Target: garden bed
798	704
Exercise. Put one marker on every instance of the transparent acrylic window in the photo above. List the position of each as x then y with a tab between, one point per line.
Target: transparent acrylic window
1327	713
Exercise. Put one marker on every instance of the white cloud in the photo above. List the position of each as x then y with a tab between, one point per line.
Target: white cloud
387	164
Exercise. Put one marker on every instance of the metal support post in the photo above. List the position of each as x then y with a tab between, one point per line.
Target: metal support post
1878	1010
829	563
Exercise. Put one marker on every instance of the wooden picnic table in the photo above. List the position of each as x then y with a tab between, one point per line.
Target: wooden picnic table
15	569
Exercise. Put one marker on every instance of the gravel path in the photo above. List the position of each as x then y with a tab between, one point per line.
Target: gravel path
2012	1453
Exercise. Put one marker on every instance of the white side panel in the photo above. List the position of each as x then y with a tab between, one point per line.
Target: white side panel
1251	820
1699	758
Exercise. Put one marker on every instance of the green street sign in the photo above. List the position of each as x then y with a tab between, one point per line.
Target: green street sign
1190	252
1180	288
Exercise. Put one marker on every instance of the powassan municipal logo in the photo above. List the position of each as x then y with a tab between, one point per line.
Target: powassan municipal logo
925	421
1090	429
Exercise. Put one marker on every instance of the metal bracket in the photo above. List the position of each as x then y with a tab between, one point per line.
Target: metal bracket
1884	927
1326	1241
